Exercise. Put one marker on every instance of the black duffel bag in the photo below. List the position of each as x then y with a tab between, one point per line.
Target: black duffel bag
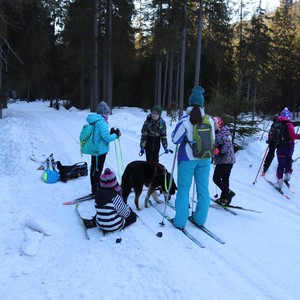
71	172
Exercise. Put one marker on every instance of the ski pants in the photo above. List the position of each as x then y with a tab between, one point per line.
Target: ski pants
95	174
199	169
284	156
221	177
269	157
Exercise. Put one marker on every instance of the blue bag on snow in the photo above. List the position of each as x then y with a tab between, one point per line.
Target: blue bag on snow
50	176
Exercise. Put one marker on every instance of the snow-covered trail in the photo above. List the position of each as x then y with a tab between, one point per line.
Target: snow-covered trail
259	260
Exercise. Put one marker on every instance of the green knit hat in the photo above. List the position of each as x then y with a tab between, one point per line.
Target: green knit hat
157	108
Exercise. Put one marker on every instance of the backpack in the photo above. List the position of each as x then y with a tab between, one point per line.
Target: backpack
279	133
87	145
71	172
50	175
203	143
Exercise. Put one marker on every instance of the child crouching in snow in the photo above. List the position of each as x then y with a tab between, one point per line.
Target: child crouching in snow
224	159
112	212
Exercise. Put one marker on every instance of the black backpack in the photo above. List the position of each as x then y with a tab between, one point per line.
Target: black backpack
280	137
71	172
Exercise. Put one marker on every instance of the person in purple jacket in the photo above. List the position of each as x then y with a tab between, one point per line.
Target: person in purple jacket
224	159
285	151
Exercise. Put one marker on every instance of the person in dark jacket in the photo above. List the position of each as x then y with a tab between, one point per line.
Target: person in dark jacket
113	213
285	152
154	132
224	159
271	149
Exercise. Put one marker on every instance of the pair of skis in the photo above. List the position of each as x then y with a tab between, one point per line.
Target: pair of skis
230	208
80	199
280	190
186	232
48	162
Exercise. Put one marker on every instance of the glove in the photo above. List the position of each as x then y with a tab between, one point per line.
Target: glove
142	151
216	151
166	150
118	132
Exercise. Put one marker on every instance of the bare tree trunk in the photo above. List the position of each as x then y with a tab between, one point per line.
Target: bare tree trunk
81	80
170	81
95	86
199	45
177	81
159	76
182	62
165	81
108	61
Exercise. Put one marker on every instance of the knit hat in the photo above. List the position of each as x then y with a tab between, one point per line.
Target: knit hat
103	109
197	96
108	180
218	121
157	108
286	113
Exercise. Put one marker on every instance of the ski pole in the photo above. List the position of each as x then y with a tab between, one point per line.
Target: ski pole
121	155
170	150
117	159
261	165
170	184
158	234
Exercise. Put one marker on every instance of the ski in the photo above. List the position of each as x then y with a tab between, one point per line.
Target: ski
235	207
42	167
217	205
278	190
204	229
211	234
289	187
80	199
82	222
184	231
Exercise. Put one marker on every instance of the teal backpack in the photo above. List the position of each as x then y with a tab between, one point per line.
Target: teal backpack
87	143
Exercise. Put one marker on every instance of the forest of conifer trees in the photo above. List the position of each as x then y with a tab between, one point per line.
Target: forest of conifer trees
146	52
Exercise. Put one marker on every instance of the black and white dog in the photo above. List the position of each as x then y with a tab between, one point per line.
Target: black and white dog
154	175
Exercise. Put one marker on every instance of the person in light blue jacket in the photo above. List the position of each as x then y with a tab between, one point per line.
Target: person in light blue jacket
190	166
102	137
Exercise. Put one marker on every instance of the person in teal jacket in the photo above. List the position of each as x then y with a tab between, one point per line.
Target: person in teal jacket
102	139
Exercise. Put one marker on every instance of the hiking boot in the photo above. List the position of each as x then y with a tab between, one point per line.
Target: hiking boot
287	177
226	200
278	184
89	223
223	201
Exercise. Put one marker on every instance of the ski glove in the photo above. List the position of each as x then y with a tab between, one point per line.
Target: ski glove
166	150
116	131
142	151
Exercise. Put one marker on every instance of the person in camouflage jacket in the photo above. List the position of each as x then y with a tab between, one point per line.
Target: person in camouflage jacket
153	132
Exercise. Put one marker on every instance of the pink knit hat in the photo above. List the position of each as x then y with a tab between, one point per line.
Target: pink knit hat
218	121
108	180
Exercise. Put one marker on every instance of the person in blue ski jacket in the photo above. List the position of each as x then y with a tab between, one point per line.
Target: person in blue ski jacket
102	137
190	166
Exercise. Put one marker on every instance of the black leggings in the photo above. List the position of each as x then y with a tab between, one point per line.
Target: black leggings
95	174
221	177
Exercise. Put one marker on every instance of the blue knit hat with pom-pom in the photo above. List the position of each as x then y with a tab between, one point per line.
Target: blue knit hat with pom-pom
286	113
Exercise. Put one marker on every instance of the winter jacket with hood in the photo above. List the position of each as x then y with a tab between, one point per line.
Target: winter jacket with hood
102	136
